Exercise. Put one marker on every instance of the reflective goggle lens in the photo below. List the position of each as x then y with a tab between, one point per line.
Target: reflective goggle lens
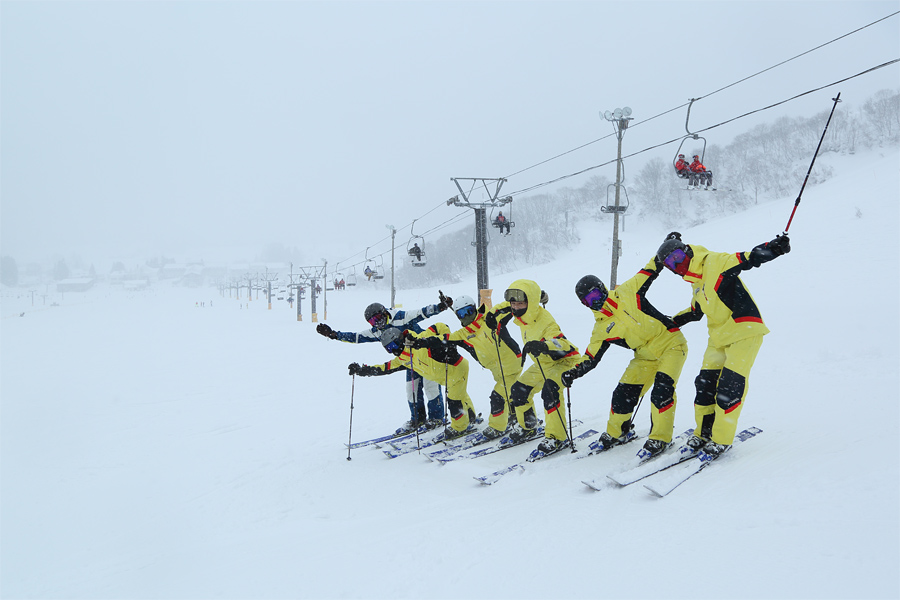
675	258
592	297
515	296
465	311
377	320
393	347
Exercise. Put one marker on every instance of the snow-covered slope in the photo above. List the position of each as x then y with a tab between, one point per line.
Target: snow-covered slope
154	449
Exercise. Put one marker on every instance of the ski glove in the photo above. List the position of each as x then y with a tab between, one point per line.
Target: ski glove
426	342
323	329
445	301
536	347
362	370
780	245
491	320
569	376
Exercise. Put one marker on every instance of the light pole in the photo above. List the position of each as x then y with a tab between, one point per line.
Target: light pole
619	118
393	290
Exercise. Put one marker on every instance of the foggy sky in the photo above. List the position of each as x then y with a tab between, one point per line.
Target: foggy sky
211	129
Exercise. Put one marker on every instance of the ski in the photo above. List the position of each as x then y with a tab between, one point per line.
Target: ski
475	449
597	446
690	468
409	444
646	467
535	456
397	435
402	443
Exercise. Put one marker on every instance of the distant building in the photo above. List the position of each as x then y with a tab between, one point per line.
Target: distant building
75	284
135	284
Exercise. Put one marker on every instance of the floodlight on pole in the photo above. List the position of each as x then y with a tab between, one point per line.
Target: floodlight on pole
619	118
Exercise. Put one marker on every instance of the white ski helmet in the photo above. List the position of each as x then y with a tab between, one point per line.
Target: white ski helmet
465	309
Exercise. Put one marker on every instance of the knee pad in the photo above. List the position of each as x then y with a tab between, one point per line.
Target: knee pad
455	407
498	404
625	397
730	390
706	383
663	393
550	395
518	394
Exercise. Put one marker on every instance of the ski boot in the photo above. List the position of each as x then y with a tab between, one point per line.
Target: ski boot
551	445
712	451
652	448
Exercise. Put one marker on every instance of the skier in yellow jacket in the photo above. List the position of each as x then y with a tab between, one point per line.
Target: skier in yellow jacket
494	349
625	318
552	354
736	331
444	366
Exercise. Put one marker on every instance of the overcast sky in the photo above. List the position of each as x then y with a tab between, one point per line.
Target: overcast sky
211	129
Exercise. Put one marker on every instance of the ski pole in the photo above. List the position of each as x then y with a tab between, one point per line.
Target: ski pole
415	397
352	390
569	397
802	187
502	374
561	420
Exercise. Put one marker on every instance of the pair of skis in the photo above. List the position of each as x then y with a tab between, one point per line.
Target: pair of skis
681	464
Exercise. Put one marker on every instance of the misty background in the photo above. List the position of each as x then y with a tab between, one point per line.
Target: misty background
202	141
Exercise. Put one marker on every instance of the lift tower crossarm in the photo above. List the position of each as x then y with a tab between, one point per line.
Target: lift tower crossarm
480	209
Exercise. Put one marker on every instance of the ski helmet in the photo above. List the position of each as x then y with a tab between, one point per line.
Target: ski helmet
681	156
464	307
392	340
591	292
696	157
377	315
675	255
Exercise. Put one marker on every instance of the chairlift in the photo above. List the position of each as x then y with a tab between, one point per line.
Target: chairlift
508	223
351	277
416	251
379	272
611	207
371	268
689	136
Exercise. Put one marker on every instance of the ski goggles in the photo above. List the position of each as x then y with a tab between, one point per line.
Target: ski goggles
593	298
675	258
378	321
393	347
515	296
465	311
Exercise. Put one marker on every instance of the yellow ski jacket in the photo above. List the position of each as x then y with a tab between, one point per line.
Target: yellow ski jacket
627	319
538	324
718	293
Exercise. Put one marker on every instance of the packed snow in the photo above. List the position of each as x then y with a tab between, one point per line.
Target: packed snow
154	448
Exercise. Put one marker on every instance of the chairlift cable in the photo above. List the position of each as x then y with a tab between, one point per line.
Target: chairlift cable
680	137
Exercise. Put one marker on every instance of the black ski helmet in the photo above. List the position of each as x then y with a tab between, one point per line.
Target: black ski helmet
375	309
392	340
673	243
584	287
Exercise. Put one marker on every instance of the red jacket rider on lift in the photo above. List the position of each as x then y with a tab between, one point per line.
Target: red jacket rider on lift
701	176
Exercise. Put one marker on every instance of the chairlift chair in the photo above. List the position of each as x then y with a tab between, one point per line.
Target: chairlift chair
611	207
495	222
416	259
689	136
